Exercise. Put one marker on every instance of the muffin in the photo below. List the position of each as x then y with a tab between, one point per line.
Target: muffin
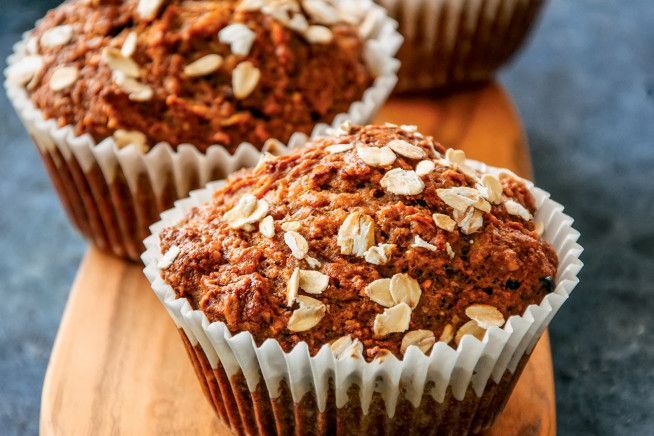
449	43
372	282
134	103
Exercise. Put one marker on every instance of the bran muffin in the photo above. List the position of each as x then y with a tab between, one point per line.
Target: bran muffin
374	244
194	75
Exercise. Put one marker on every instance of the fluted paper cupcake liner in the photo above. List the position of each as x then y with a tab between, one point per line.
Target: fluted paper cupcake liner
454	42
260	389
112	195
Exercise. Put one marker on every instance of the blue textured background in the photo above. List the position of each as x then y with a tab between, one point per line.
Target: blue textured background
585	89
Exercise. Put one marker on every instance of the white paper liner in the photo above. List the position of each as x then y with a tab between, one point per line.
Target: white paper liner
473	363
187	163
449	42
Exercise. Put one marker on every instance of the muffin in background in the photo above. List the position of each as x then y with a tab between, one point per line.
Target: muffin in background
449	43
371	282
134	103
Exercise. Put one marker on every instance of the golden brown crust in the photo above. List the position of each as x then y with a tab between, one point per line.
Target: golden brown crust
300	83
241	277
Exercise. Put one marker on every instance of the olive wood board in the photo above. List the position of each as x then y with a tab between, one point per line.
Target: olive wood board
118	366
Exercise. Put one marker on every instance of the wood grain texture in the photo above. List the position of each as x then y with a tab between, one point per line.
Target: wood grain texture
119	368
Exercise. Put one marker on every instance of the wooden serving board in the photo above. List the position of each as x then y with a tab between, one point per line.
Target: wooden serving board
118	366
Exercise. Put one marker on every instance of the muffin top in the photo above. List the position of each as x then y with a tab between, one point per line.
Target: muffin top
372	240
199	72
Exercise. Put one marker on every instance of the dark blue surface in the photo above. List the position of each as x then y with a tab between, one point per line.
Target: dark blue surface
585	89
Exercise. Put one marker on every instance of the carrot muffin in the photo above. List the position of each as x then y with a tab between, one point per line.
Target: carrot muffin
374	242
201	75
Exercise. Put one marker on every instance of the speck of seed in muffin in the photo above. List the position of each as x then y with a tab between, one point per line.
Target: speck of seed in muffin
339	148
129	44
406	149
379	291
444	222
169	257
393	320
423	339
25	69
135	90
309	314
418	242
267	227
405	289
298	245
239	37
148	9
313	282
245	78
356	234
514	208
485	315
63	77
447	334
291	226
469	328
346	346
123	138
292	287
318	35
376	156
115	60
205	65
378	254
59	35
321	11
402	182
494	187
449	250
425	167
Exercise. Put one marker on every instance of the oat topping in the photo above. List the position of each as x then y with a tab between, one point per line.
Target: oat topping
59	35
345	346
423	339
25	69
123	138
203	66
402	182
469	328
239	37
444	222
376	156
245	78
310	312
318	35
425	167
267	227
485	315
115	60
291	226
321	11
148	9
471	222
448	334
313	282
169	257
393	320
339	148
248	210
356	234
129	45
379	254
296	242
459	198
418	242
379	291
406	149
312	262
514	208
405	289
292	287
135	90
494	187
63	77
450	251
